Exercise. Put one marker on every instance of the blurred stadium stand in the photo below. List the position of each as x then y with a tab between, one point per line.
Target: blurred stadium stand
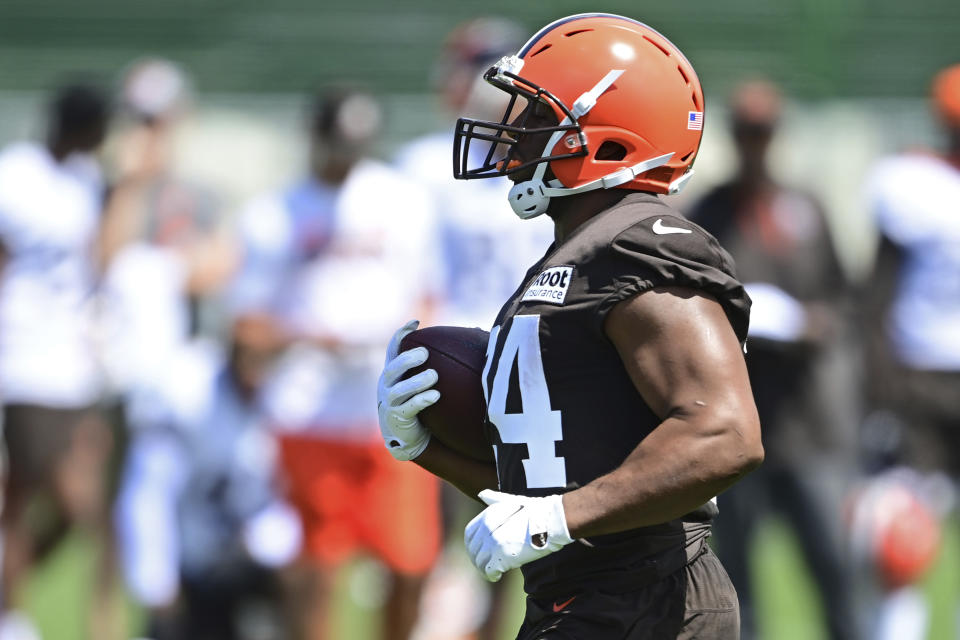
815	48
857	70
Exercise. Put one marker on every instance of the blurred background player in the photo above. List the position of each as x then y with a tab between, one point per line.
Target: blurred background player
483	252
163	255
894	517
51	196
202	527
913	311
151	200
335	261
779	239
163	246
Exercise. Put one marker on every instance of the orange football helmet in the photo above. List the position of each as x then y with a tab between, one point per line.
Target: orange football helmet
946	95
615	85
894	523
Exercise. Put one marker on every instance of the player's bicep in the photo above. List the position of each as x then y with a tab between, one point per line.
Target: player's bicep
681	353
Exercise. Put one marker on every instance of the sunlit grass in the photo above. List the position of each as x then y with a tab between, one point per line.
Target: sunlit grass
59	591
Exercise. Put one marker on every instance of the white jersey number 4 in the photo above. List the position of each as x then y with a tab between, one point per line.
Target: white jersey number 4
537	425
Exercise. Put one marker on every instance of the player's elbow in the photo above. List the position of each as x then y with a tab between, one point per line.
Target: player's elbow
749	444
751	457
742	447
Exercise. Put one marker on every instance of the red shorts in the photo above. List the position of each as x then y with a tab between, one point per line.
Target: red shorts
355	497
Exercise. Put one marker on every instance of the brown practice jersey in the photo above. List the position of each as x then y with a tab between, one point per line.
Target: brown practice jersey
561	407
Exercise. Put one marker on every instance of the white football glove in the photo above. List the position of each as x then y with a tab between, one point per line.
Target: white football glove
399	401
514	530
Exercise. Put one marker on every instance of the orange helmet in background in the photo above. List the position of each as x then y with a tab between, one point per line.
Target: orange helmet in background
614	84
894	523
946	95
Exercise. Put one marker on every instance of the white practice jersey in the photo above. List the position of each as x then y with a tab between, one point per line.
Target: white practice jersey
49	213
351	263
143	317
484	248
915	200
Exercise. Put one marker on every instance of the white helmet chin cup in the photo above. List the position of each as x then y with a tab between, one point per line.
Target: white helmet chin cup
528	199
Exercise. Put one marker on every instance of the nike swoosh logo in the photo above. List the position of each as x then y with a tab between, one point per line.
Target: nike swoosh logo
560	606
661	229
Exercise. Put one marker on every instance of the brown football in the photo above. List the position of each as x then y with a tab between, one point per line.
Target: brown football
457	354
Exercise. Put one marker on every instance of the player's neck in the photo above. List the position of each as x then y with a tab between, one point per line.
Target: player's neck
60	148
332	170
570	212
754	180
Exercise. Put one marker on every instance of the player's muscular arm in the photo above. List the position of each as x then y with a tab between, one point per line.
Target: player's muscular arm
686	362
469	476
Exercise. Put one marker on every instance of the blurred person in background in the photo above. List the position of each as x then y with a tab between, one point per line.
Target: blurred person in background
51	197
779	239
336	261
150	200
912	314
161	254
163	248
484	253
201	523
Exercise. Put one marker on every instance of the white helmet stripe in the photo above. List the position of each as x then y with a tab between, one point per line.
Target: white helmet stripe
587	101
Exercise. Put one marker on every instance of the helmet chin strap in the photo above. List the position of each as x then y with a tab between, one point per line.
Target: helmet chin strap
530	198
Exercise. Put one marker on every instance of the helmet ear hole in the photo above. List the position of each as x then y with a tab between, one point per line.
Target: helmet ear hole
610	151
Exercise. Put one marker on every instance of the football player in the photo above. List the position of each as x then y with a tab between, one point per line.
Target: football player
618	402
57	438
913	311
202	527
335	265
799	363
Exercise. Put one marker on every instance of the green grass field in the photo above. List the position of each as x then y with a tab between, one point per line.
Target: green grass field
59	590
